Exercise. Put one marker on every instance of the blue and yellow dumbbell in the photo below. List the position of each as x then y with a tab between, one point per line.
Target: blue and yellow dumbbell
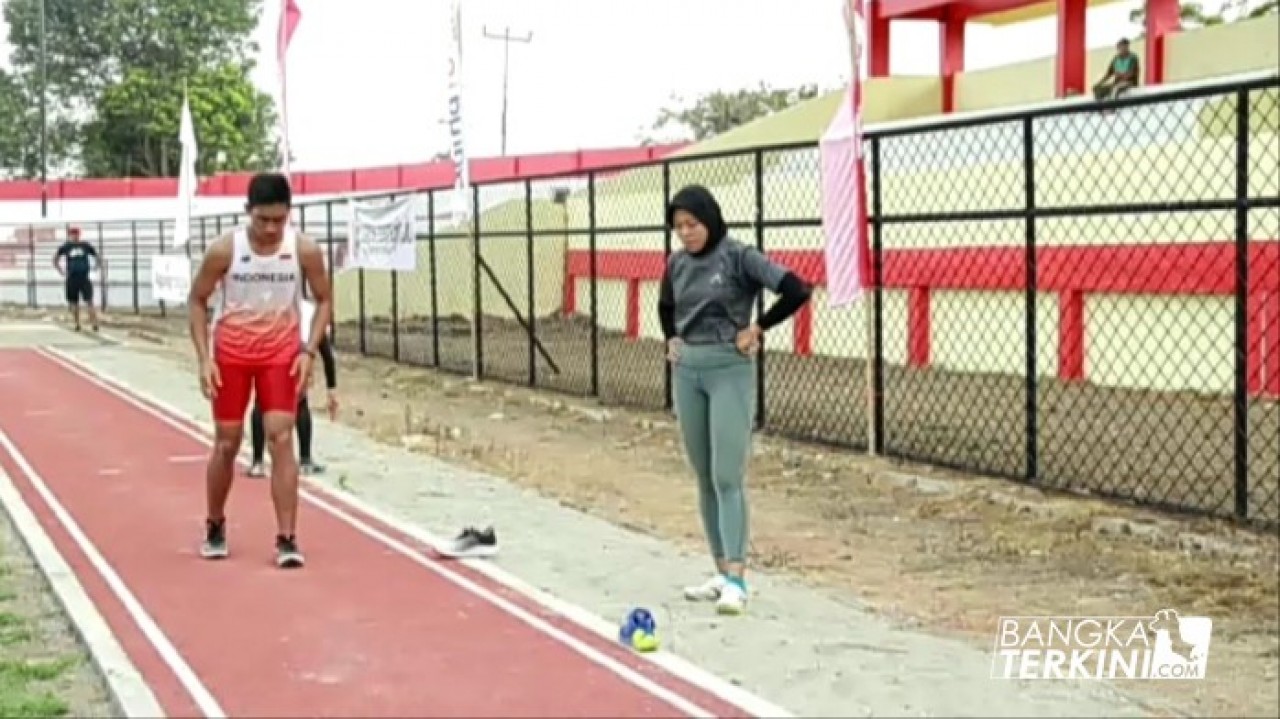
639	631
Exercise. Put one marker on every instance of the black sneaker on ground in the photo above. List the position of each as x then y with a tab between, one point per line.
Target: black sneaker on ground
288	556
471	543
215	539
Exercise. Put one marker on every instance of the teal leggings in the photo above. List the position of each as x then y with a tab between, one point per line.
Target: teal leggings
714	388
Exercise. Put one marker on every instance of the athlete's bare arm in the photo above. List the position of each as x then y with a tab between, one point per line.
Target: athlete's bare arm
317	278
212	268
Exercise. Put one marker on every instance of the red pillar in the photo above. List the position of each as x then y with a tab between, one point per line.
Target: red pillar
1163	19
878	42
952	38
1071	48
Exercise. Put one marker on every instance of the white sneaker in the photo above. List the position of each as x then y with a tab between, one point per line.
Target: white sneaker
708	591
733	599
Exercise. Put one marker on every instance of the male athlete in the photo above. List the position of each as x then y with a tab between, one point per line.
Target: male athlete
79	286
256	327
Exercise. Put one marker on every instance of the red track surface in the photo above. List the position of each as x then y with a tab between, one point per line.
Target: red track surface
361	631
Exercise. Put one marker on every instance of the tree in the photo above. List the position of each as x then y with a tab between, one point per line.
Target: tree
20	131
135	127
719	111
115	72
1194	14
16	157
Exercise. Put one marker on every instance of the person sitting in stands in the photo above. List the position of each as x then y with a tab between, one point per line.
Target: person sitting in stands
1122	74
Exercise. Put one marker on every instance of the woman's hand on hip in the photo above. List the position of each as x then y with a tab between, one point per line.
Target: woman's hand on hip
748	340
673	349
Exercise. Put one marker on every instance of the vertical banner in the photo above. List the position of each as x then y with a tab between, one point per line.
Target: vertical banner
290	16
844	213
462	175
381	236
457	135
844	208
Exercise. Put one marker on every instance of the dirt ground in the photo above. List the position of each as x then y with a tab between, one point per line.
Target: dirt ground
1173	448
44	670
928	548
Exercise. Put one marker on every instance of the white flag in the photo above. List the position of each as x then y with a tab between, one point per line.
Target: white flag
457	140
187	179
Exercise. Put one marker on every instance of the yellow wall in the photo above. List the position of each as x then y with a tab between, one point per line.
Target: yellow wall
1248	46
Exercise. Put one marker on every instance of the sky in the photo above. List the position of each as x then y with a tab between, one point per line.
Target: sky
367	82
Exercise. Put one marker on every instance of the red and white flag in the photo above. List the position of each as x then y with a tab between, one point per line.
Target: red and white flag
844	202
290	16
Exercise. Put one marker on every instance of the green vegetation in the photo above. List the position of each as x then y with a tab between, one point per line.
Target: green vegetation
718	112
116	70
31	682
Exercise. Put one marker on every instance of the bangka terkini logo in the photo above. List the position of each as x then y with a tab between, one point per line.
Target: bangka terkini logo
1163	646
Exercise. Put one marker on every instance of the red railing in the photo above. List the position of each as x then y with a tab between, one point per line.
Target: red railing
430	175
1072	272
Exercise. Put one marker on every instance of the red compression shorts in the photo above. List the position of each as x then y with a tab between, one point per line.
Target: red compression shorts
272	384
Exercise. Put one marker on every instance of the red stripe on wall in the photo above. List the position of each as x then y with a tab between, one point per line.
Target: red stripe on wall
1201	268
918	332
1071	335
424	176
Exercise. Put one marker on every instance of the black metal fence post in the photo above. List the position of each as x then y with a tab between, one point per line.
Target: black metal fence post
477	244
595	310
431	261
395	308
328	234
876	352
104	272
1241	409
32	296
364	342
160	251
758	161
529	270
667	399
133	242
1032	369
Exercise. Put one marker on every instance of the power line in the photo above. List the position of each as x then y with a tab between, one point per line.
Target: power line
507	38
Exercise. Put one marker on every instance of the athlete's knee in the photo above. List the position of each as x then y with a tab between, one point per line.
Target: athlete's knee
278	427
226	443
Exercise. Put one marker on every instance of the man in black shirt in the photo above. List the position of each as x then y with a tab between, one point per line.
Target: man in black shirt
78	284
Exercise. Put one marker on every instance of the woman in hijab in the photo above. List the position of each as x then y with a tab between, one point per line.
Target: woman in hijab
708	293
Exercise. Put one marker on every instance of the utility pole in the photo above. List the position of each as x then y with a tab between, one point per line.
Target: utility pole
44	124
507	38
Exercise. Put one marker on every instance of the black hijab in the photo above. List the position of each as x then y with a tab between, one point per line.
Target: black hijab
699	202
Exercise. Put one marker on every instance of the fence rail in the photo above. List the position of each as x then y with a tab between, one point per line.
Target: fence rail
1083	298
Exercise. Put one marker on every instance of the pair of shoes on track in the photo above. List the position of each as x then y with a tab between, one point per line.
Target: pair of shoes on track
306	467
288	555
730	597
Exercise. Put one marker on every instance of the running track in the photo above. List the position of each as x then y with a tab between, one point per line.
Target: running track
375	625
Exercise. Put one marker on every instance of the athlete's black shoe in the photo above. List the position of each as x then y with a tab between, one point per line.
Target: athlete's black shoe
288	556
215	539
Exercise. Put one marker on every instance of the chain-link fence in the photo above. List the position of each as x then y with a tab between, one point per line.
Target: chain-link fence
1083	297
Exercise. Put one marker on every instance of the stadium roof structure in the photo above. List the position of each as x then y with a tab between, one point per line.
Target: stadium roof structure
952	16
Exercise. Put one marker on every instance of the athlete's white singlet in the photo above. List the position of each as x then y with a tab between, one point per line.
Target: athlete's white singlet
257	319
